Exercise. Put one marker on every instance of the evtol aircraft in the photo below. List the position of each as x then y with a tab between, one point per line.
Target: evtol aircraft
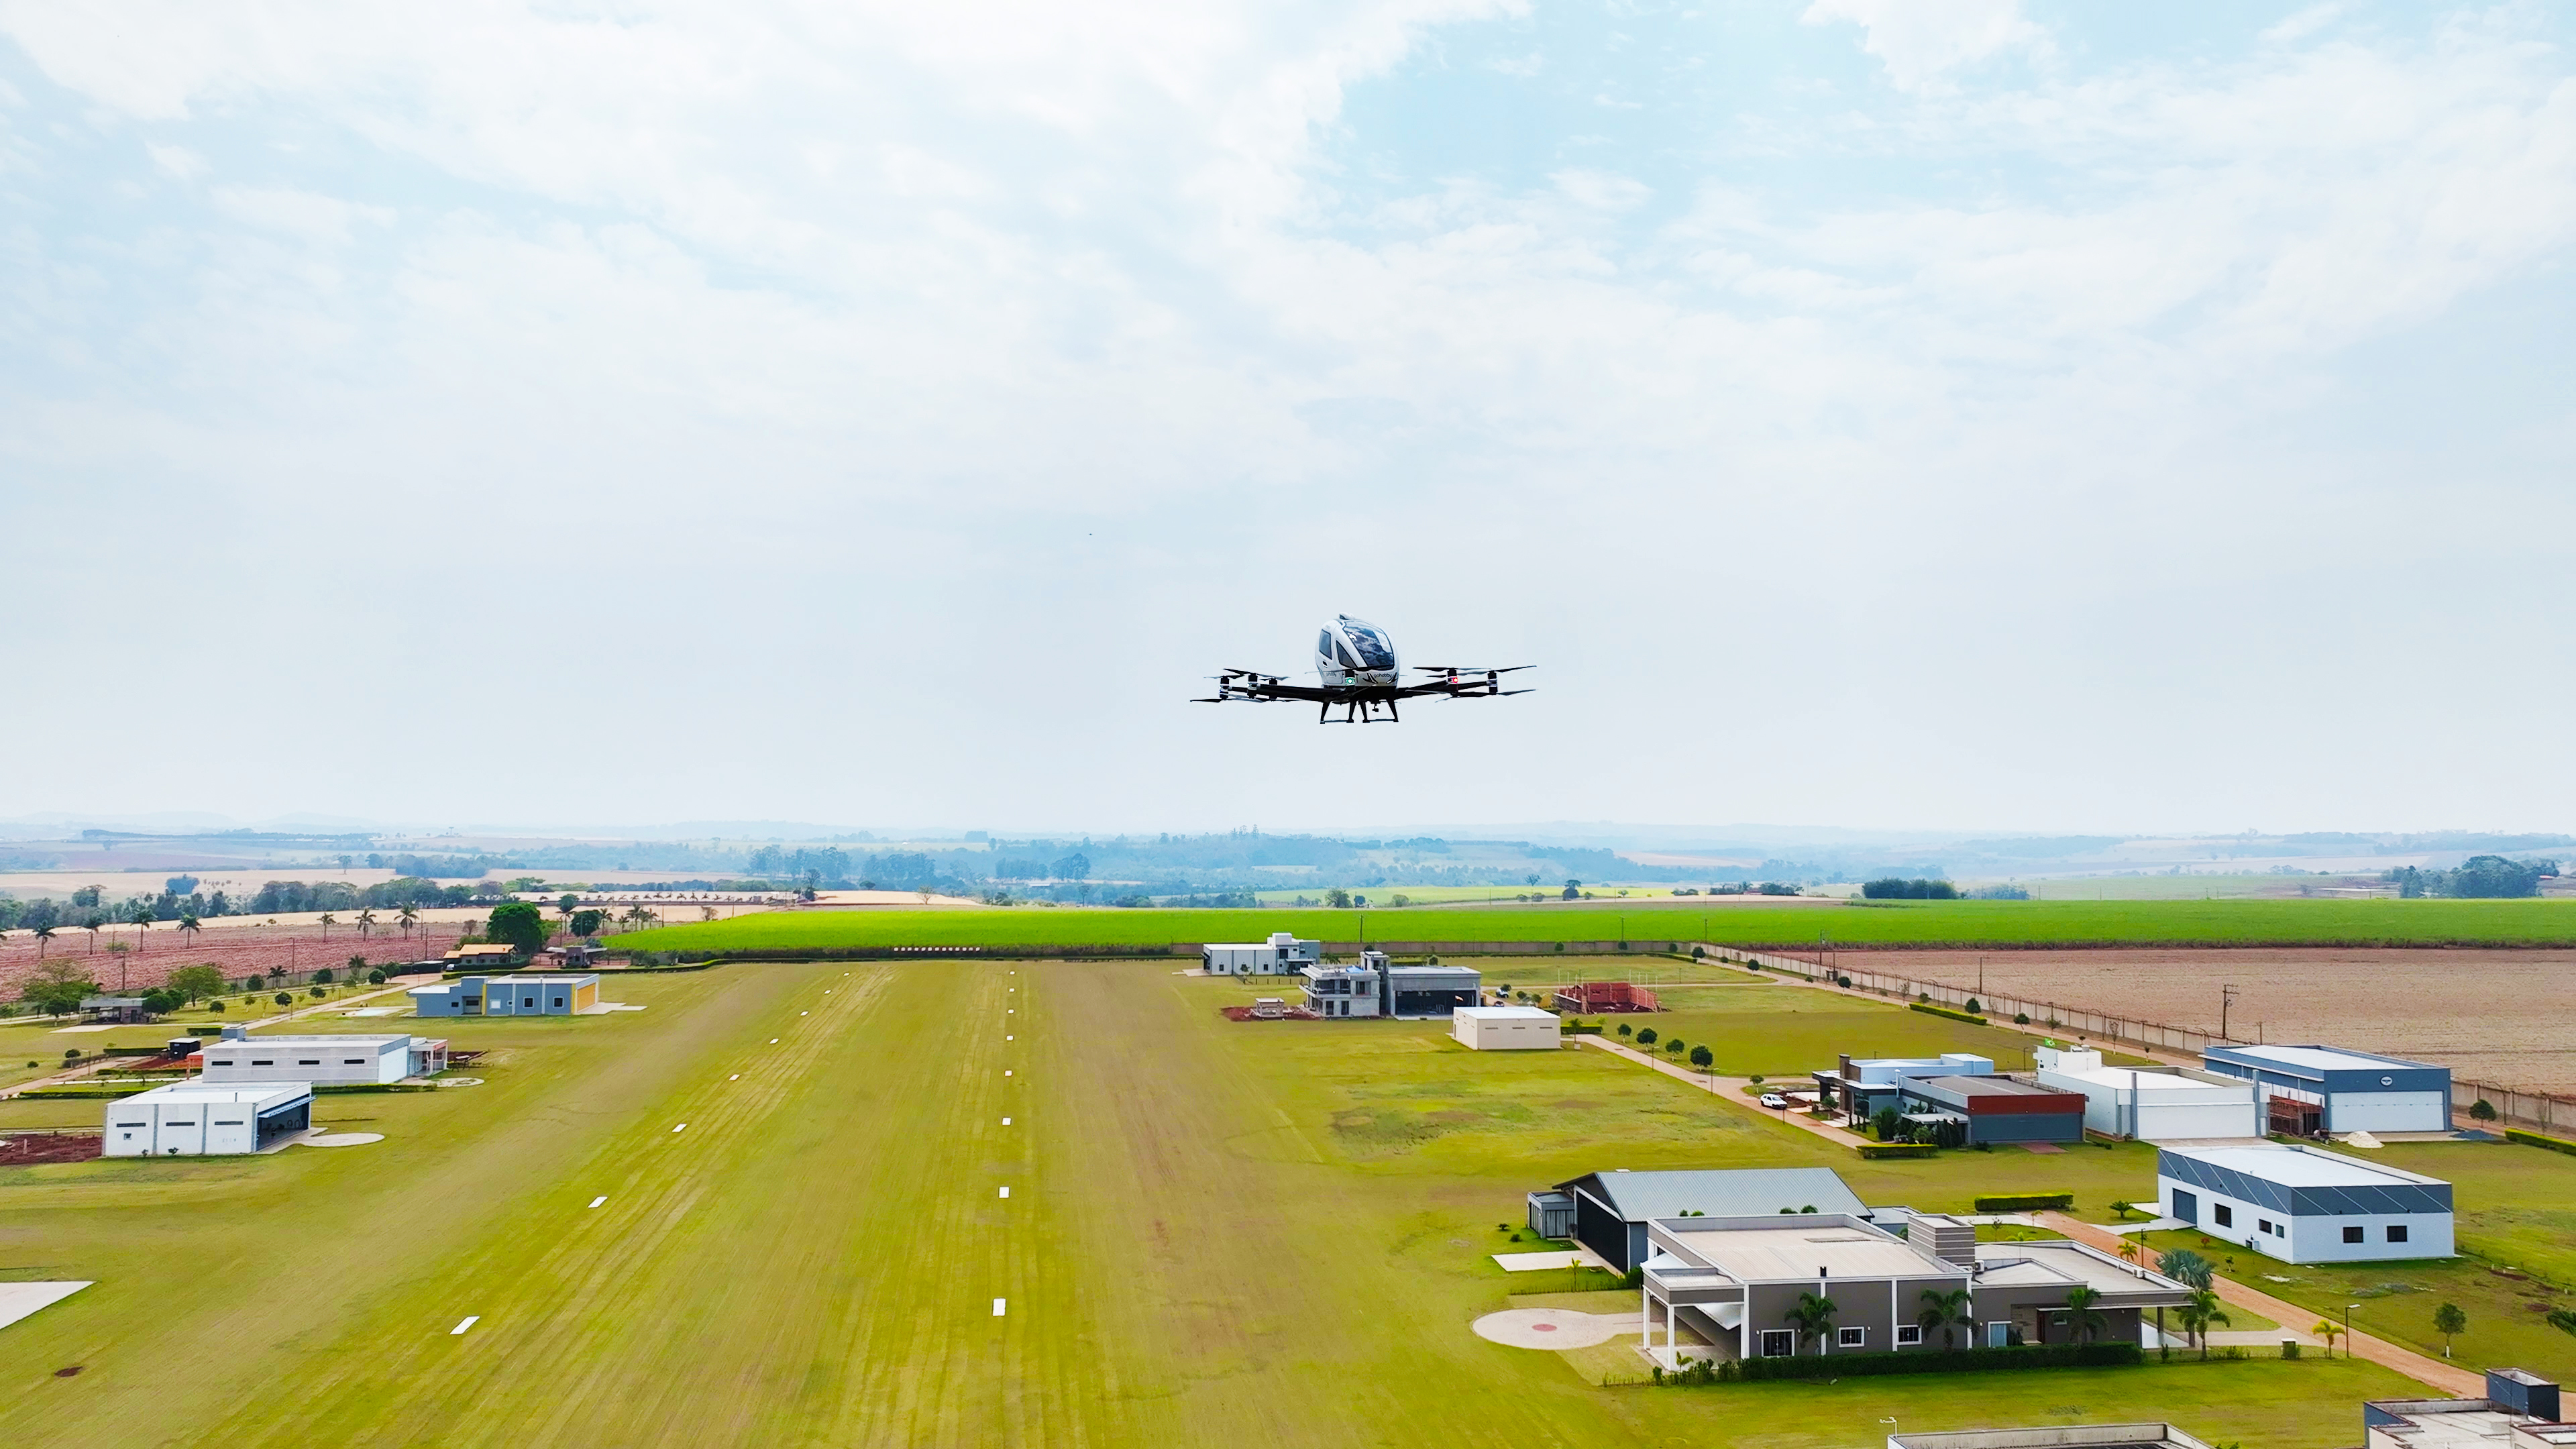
1355	662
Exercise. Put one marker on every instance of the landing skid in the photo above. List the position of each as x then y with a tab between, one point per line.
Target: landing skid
1357	711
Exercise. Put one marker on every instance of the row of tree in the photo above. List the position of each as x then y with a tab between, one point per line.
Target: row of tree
2480	877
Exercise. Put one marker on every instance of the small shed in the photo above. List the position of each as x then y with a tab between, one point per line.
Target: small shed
1505	1028
1551	1214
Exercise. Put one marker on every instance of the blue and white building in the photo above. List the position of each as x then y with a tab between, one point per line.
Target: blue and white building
2301	1091
2304	1204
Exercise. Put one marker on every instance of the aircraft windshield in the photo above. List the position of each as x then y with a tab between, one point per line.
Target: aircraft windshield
1372	646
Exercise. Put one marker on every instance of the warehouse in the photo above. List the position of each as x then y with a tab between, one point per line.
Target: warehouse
2304	1091
1859	1086
2151	1104
1993	1109
1282	955
1505	1028
1611	1209
328	1060
199	1119
524	994
2303	1204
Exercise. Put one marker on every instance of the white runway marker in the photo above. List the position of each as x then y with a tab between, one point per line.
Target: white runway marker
804	1013
736	1077
594	1202
1006	1074
1010	1038
683	1127
997	1309
471	1318
1006	1121
773	1041
1006	1192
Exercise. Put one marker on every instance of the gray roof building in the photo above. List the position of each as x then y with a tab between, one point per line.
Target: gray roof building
1611	1209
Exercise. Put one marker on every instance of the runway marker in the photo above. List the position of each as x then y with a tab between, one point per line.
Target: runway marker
683	1127
472	1317
804	1013
773	1041
1006	1073
997	1309
736	1077
1010	1038
1006	1192
1006	1121
594	1202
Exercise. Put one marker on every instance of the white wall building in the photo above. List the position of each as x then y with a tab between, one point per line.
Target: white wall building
338	1060
2151	1104
2304	1204
1505	1028
1282	955
193	1119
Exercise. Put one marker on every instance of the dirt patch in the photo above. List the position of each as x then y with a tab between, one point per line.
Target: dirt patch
31	1150
2502	1015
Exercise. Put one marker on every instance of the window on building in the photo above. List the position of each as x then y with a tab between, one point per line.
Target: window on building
1779	1342
2263	1226
263	1064
1851	1337
353	1061
308	1061
2352	1234
1908	1333
2223	1215
558	1001
2397	1232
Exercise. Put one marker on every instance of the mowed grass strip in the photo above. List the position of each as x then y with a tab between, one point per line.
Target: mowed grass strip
1910	923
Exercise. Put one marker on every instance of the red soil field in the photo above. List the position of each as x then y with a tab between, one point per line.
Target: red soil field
2502	1016
237	951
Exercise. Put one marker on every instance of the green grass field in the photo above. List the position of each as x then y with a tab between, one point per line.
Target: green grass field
1917	923
1219	1233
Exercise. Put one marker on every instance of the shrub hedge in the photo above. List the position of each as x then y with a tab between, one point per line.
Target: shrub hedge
1874	1150
1928	1009
2534	1139
1943	1361
2026	1202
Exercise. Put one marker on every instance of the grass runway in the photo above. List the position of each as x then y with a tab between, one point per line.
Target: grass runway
1240	1234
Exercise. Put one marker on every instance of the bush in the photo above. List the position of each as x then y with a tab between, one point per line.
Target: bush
2026	1202
1702	1058
1937	1361
1646	1037
317	991
1874	1151
2534	1139
2482	1110
1974	1007
285	998
2021	1018
1626	1030
215	1005
1928	1009
323	976
375	978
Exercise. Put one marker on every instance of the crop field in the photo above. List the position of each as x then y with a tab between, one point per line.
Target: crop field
236	950
1995	924
2494	1015
1207	1221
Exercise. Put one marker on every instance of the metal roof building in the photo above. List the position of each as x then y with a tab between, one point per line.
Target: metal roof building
1611	1209
2304	1204
2305	1090
198	1119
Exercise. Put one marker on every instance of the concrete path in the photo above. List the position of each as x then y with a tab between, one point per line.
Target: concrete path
1727	1089
2449	1378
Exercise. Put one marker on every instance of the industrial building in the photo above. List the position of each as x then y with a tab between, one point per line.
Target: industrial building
202	1119
329	1060
2305	1091
2303	1204
1735	1280
1379	987
1505	1028
1605	998
523	994
2520	1411
1282	955
2151	1104
116	1009
1993	1109
1608	1211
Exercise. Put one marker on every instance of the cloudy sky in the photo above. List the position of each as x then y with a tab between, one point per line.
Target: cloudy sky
1917	413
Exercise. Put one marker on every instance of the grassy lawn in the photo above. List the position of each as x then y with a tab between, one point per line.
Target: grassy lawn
2516	1213
1209	1221
1652	922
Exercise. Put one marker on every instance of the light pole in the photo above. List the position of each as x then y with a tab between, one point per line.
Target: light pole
2226	998
2347	1329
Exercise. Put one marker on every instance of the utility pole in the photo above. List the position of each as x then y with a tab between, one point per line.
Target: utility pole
2226	998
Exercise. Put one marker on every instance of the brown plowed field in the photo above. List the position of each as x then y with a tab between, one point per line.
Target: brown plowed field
237	951
2498	1016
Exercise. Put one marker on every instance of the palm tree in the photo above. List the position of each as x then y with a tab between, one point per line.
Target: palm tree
328	921
188	926
2081	1315
2132	1250
43	934
2329	1330
91	925
1814	1316
1943	1311
366	922
142	919
2198	1312
407	917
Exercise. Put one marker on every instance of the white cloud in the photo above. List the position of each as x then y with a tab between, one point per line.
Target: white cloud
1921	42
